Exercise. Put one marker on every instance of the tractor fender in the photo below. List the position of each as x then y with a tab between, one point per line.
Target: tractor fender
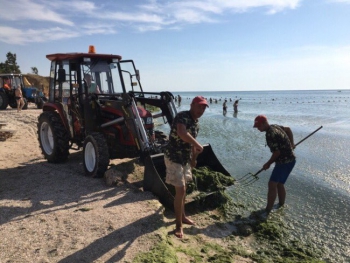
58	107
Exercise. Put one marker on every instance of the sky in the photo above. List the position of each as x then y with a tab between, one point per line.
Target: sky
191	45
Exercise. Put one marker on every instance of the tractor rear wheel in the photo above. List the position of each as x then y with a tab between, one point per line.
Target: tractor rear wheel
96	155
4	101
53	137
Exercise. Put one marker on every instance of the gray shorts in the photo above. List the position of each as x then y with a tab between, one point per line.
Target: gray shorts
177	174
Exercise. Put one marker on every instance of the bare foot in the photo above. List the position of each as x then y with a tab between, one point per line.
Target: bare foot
178	232
188	221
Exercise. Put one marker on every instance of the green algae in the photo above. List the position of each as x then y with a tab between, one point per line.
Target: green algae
194	250
217	254
272	245
208	189
211	185
276	245
272	242
239	250
270	230
207	180
163	252
277	232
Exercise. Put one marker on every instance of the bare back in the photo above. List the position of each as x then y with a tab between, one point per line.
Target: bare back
18	92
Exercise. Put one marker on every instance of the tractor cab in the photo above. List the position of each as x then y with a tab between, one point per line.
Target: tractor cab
10	82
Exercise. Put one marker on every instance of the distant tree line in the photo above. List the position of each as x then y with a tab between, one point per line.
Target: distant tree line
10	65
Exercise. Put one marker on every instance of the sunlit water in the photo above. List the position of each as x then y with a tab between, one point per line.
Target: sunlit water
318	190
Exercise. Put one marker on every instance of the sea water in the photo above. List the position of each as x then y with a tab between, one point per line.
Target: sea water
318	190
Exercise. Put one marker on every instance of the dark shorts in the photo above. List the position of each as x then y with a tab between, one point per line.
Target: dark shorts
281	172
18	98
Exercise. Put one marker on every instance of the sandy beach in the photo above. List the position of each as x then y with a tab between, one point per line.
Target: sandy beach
53	213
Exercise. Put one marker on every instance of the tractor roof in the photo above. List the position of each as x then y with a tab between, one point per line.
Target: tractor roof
9	74
73	56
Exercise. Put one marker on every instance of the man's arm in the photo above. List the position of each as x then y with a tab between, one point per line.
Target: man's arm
194	157
272	159
98	90
187	137
290	135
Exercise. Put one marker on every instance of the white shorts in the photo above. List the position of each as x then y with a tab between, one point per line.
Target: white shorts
177	174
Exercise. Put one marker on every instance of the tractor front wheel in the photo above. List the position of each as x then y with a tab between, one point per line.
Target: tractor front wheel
96	155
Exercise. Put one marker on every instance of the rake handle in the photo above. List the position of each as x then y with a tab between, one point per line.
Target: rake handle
295	145
258	172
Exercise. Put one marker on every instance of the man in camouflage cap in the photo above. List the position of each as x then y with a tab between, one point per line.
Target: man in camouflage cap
180	156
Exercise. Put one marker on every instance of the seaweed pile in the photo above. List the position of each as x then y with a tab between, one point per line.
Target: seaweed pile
208	188
207	180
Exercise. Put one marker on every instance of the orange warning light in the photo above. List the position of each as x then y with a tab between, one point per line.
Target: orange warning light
92	49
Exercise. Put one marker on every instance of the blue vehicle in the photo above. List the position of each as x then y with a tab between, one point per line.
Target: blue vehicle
34	95
8	84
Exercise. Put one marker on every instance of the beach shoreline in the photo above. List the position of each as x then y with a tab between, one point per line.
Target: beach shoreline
53	213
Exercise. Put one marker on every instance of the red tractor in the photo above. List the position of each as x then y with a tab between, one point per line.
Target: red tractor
96	102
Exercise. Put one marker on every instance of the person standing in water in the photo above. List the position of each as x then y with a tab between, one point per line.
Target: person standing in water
235	106
224	108
281	143
179	100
